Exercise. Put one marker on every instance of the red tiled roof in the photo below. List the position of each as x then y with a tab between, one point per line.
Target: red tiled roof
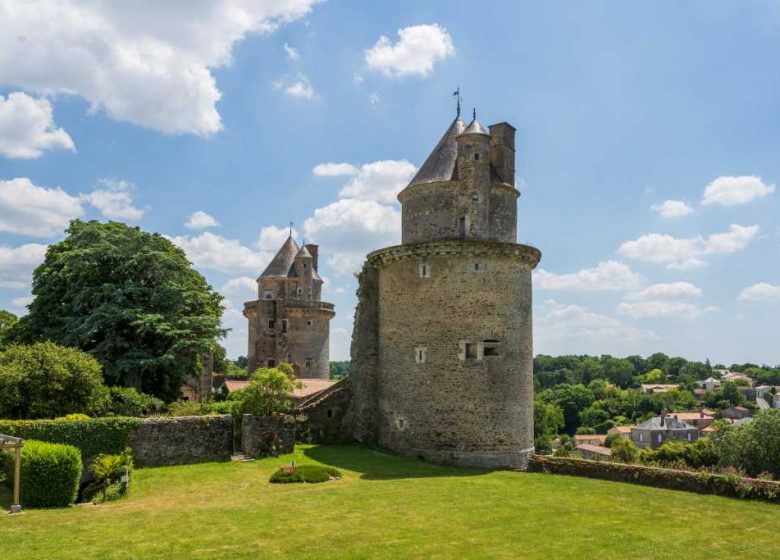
590	438
598	449
685	416
308	386
621	429
236	384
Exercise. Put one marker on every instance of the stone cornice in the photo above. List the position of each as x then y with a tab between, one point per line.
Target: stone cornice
418	188
530	256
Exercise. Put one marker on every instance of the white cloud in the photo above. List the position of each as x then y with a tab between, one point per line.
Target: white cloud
661	309
27	209
145	62
298	88
671	290
334	170
242	288
760	292
687	253
575	329
272	238
27	127
419	47
291	52
357	79
350	229
673	209
201	220
17	264
373	98
215	252
607	275
733	191
19	305
380	181
115	200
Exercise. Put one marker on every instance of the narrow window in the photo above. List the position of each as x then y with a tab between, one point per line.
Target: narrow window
490	347
305	265
308	323
330	413
660	438
284	325
271	363
309	362
478	267
476	157
689	437
424	270
401	424
299	290
269	294
462	227
271	324
471	351
641	436
420	354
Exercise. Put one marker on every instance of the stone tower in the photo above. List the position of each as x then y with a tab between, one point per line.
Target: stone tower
442	352
289	322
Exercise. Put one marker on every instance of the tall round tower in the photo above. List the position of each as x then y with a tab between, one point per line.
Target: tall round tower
442	352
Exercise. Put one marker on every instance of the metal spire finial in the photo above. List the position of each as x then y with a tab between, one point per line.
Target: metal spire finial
474	114
291	227
456	93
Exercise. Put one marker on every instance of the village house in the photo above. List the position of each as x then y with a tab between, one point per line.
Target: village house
699	419
736	413
709	384
592	439
733	376
659	429
594	452
307	389
624	431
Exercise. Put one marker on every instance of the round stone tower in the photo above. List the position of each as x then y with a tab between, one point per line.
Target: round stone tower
442	353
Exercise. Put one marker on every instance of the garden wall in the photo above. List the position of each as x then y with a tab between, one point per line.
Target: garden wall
157	441
182	440
702	482
264	435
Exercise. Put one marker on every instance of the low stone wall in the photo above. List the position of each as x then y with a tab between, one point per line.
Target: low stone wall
702	482
181	440
264	435
324	419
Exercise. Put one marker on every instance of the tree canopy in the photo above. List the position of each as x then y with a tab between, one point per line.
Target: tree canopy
129	298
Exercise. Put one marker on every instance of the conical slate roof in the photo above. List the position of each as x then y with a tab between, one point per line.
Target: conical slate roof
281	264
440	165
475	128
304	253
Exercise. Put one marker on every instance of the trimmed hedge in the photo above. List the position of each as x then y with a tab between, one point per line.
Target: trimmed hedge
50	474
304	473
91	436
731	485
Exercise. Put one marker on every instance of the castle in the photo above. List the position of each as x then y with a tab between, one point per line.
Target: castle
289	322
442	347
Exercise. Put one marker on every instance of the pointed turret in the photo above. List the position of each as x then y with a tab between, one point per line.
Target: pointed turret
475	127
441	163
282	263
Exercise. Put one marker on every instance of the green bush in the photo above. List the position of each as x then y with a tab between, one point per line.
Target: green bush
50	474
304	473
91	436
122	401
753	447
45	380
624	451
188	408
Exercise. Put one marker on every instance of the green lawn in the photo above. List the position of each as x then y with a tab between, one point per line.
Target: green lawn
391	507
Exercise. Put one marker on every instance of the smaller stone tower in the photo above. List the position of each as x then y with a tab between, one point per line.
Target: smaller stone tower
289	322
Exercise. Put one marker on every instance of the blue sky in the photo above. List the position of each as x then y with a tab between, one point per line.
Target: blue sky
149	114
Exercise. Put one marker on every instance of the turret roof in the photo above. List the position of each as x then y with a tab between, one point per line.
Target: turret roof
475	127
282	264
304	253
441	163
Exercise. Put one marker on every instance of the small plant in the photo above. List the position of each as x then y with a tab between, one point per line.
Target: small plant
305	474
112	476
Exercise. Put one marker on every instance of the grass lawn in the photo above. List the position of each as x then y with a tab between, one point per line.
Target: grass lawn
391	507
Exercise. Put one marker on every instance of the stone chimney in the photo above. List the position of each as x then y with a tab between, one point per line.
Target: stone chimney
314	250
502	151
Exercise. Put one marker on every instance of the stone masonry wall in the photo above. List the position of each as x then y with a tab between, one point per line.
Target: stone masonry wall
263	435
182	440
325	419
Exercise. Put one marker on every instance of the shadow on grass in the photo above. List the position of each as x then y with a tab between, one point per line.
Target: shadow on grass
377	464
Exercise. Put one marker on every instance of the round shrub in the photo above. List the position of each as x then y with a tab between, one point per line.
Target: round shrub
45	380
304	473
50	474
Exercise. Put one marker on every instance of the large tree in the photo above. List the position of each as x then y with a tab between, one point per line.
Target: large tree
129	298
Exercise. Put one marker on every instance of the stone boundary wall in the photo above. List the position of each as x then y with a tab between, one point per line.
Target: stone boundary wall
181	440
324	419
267	435
701	482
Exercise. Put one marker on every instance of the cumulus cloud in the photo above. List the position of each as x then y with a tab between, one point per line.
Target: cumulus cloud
271	238
607	275
418	49
19	305
670	290
380	181
672	209
27	127
661	309
762	291
145	62
115	200
575	329
297	88
687	253
215	252
201	220
17	264
242	288
733	191
291	52
334	170
351	228
28	209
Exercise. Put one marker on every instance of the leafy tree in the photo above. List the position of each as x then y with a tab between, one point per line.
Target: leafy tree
242	361
130	299
7	321
269	392
624	451
611	439
654	376
571	399
121	401
618	371
45	380
755	446
548	419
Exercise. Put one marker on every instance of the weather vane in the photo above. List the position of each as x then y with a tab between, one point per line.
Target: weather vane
456	93
291	225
